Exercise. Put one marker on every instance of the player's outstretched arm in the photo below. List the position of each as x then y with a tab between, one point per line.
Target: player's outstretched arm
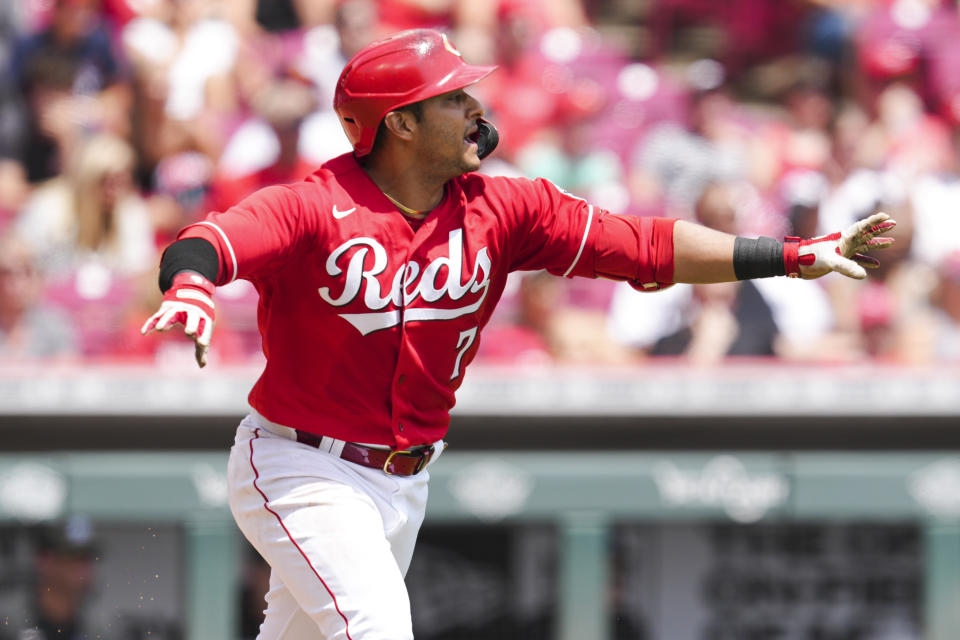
187	271
703	255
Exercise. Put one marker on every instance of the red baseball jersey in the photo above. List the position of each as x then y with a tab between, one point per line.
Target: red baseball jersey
369	324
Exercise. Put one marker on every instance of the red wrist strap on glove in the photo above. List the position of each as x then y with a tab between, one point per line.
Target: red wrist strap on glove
193	288
791	253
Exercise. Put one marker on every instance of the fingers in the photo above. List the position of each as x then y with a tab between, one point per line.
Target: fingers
862	235
170	315
167	317
865	261
204	332
877	223
872	221
200	352
869	245
200	328
878	243
847	267
202	339
192	323
883	227
861	229
150	324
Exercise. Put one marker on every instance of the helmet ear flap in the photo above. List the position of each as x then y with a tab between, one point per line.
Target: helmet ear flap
352	128
487	139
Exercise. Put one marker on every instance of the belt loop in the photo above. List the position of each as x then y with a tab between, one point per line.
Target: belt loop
332	445
438	448
279	430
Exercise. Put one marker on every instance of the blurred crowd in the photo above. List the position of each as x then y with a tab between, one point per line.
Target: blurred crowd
121	121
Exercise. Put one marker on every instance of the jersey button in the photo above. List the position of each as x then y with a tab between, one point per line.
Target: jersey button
402	378
400	427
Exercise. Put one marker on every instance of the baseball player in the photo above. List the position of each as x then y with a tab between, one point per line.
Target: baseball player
376	276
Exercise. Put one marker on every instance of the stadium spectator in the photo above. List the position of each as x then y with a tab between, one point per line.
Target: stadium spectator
13	116
65	568
286	79
914	142
542	320
707	323
233	95
737	32
29	329
680	161
9	26
72	82
910	41
518	334
91	214
181	194
183	55
539	326
14	191
281	106
877	323
941	331
889	306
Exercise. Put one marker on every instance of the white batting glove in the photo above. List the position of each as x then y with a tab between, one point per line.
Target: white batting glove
841	252
188	302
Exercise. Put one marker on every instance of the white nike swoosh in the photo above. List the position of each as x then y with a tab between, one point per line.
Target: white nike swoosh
342	214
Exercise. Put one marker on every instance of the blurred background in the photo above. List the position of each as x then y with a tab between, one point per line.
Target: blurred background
765	460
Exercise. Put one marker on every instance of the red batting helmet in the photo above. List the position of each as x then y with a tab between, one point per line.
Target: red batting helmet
407	67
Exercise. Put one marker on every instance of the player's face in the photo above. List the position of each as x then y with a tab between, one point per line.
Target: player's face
447	133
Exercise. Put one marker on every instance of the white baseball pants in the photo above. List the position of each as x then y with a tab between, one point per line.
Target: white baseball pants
338	536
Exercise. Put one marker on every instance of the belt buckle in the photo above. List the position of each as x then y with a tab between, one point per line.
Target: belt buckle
421	463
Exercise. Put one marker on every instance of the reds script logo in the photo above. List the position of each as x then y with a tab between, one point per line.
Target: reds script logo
409	283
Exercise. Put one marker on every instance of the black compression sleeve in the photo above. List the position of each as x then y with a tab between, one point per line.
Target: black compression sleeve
189	254
757	258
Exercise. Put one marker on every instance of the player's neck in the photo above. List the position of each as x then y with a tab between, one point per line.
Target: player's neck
413	201
408	191
404	209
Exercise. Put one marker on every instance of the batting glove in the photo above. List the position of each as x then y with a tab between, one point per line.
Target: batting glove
188	302
841	252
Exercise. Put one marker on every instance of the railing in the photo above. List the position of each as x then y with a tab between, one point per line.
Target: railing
664	387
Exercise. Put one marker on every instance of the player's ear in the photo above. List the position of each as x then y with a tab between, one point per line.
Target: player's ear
400	123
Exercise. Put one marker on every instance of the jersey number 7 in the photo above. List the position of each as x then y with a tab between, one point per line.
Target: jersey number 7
464	342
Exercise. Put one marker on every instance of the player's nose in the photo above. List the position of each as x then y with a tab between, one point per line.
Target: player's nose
474	108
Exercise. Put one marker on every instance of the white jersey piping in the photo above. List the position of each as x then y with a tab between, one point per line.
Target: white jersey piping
226	241
583	242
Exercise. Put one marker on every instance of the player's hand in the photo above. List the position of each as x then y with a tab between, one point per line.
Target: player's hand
841	251
188	302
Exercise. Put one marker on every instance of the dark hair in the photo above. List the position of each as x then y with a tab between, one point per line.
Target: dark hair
74	537
416	109
277	16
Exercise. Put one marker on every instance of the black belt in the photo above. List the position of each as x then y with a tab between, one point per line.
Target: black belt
408	462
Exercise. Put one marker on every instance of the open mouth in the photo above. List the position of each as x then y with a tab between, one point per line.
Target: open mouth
472	137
